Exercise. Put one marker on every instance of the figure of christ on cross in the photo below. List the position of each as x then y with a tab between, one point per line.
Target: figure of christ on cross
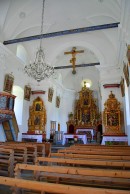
73	59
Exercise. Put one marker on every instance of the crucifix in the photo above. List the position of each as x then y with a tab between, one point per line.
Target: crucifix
73	59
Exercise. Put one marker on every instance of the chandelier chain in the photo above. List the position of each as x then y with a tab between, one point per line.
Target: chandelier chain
43	3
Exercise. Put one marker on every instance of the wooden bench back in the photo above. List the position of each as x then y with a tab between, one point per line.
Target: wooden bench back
84	162
104	157
82	176
56	188
6	161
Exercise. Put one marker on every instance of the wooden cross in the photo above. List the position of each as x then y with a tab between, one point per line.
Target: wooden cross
73	59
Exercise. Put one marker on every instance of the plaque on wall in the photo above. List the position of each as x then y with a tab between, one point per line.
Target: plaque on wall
8	83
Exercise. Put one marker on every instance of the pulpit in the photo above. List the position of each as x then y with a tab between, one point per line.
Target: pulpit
7	116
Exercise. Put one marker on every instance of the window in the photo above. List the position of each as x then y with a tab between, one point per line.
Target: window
18	106
21	53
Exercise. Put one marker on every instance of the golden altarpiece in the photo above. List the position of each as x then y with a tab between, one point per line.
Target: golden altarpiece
86	112
37	117
112	116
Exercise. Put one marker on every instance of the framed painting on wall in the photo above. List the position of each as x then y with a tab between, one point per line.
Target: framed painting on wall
8	83
122	87
50	94
126	73
27	92
57	101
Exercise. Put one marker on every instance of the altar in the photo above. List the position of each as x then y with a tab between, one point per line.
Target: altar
32	137
70	136
78	131
107	139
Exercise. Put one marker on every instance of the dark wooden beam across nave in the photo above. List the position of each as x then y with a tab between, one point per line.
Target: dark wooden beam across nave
62	33
82	65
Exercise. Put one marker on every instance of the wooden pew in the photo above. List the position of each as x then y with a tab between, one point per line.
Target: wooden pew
20	152
43	149
100	157
83	162
118	179
7	162
101	146
96	152
56	188
31	150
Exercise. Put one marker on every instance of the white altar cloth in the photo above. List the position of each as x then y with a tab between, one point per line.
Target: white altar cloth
114	138
80	130
68	136
38	137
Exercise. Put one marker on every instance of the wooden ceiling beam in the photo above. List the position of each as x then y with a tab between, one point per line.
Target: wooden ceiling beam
62	33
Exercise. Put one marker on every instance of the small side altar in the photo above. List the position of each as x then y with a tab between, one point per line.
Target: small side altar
112	122
37	117
32	137
114	140
72	136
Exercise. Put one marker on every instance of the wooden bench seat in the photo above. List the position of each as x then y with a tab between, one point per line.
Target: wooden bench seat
55	188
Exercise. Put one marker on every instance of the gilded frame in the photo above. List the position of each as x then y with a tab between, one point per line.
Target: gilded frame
122	87
50	94
27	92
57	101
126	74
8	83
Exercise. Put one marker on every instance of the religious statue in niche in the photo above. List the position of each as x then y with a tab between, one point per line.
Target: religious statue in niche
50	94
8	83
38	107
112	119
37	120
112	116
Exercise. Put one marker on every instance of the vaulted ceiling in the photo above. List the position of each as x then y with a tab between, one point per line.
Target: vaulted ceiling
20	19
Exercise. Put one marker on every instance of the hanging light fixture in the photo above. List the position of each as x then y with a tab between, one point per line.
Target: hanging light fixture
39	70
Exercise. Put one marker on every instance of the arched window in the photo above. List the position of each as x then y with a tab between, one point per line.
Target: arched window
18	106
87	83
21	53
